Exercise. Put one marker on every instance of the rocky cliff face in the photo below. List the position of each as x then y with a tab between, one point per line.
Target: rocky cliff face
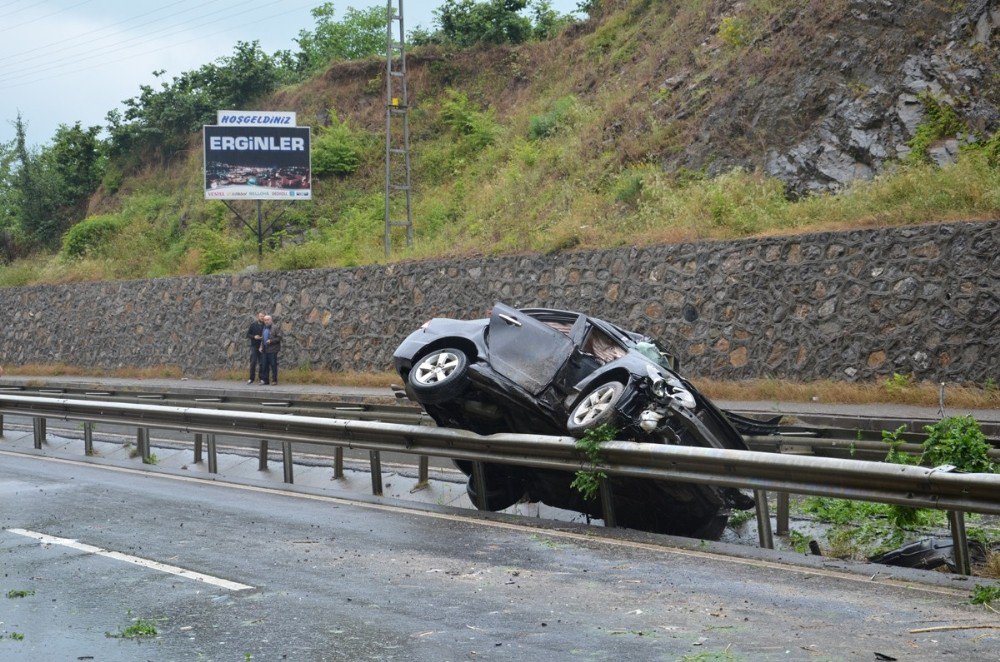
864	131
834	92
816	92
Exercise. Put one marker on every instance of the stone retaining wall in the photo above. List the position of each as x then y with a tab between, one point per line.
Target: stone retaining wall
851	305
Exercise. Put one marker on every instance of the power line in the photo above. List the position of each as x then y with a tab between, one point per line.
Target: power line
41	18
18	11
88	32
157	50
69	60
114	47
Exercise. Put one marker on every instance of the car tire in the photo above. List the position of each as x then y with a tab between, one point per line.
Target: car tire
439	376
501	492
595	408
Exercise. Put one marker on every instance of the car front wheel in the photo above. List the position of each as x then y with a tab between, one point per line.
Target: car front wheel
439	376
594	409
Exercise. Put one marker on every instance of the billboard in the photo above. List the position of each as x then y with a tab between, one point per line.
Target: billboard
257	163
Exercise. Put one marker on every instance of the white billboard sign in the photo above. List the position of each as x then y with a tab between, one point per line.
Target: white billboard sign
255	118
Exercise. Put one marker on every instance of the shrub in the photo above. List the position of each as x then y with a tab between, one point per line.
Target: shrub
309	255
734	32
336	150
113	178
588	481
957	440
898	383
985	595
628	190
560	115
91	235
940	121
477	127
992	150
215	251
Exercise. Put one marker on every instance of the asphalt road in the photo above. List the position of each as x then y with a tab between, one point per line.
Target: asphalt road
336	580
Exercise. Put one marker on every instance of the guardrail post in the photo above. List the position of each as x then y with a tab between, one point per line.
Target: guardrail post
197	447
338	462
376	463
423	470
213	456
38	429
763	520
782	516
607	503
142	443
286	460
1	425
956	519
88	438
479	485
262	459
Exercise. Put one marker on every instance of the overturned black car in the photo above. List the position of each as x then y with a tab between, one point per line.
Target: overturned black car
547	371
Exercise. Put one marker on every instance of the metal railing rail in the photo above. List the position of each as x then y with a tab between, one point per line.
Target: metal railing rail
401	413
827	427
838	478
824	440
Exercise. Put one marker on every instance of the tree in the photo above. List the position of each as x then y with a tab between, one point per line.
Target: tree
464	23
76	159
547	22
8	202
33	191
360	34
467	22
161	121
247	74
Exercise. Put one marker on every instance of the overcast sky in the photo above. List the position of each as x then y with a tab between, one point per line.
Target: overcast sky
63	61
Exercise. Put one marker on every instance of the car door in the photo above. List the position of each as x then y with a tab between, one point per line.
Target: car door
524	350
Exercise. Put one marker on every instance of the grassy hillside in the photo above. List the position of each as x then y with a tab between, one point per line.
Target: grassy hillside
630	128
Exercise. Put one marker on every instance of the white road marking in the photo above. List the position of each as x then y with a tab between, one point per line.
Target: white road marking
135	560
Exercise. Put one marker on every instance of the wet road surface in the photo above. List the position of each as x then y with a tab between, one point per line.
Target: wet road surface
335	580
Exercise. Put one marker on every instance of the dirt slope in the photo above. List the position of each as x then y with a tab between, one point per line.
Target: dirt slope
816	93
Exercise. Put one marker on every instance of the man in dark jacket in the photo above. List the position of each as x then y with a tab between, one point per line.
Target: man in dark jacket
254	335
270	345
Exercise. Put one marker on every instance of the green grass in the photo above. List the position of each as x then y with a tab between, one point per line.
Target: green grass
520	195
861	529
985	595
12	594
565	153
139	629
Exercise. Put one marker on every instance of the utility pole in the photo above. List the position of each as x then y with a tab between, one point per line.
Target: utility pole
397	147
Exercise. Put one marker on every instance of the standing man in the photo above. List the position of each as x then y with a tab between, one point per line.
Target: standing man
270	345
255	334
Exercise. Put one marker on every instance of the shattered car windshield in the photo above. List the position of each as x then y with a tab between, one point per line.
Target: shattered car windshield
654	354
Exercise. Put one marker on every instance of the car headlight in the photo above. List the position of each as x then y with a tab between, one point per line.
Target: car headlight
684	397
659	388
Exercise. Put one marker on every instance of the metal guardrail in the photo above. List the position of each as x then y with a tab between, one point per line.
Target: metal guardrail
838	478
261	399
861	440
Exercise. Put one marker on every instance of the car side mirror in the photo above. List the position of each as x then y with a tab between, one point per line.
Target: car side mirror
675	363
